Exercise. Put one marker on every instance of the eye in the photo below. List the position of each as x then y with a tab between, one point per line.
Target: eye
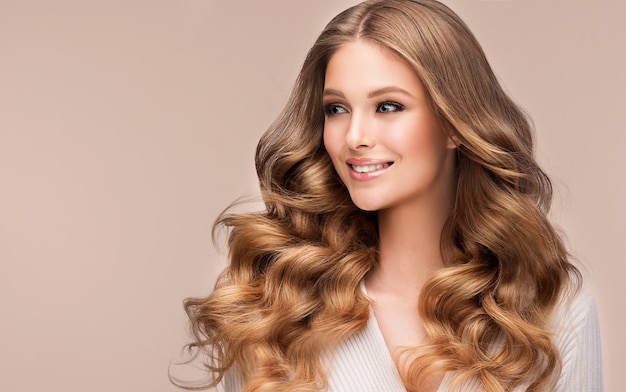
389	107
334	109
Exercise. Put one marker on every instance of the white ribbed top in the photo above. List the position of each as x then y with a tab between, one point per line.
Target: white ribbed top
362	363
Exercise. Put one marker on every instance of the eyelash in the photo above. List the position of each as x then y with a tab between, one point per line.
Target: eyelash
330	109
397	107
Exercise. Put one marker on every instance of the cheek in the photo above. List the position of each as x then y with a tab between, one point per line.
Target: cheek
331	143
424	138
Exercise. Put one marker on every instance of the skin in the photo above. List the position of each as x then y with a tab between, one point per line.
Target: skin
378	118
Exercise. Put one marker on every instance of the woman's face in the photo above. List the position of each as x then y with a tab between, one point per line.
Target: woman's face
384	140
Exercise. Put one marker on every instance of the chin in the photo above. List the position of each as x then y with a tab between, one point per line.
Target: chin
367	205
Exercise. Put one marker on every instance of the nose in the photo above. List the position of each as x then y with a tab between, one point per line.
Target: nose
359	135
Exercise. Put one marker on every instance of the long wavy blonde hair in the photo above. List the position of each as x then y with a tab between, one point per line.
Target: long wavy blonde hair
291	291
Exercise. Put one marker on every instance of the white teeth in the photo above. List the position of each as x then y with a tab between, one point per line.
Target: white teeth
369	168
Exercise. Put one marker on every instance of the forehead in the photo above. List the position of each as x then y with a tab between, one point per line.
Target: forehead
363	65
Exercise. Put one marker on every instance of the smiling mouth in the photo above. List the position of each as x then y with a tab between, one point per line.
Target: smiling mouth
370	168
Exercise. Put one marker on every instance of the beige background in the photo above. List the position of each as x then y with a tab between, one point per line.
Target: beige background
127	125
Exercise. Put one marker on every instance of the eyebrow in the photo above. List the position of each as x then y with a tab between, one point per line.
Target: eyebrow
390	89
373	94
330	92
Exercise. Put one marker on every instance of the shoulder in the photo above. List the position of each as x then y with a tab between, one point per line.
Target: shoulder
574	307
576	332
574	315
232	381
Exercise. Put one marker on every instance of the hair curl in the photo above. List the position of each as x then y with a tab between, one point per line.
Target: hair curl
291	291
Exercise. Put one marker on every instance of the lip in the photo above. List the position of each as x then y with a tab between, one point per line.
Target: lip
369	175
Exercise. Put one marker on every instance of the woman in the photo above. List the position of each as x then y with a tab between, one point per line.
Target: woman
405	243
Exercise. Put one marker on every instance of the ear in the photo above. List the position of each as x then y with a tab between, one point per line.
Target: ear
453	139
453	142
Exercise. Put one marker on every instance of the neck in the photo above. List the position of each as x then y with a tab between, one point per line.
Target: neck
410	247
